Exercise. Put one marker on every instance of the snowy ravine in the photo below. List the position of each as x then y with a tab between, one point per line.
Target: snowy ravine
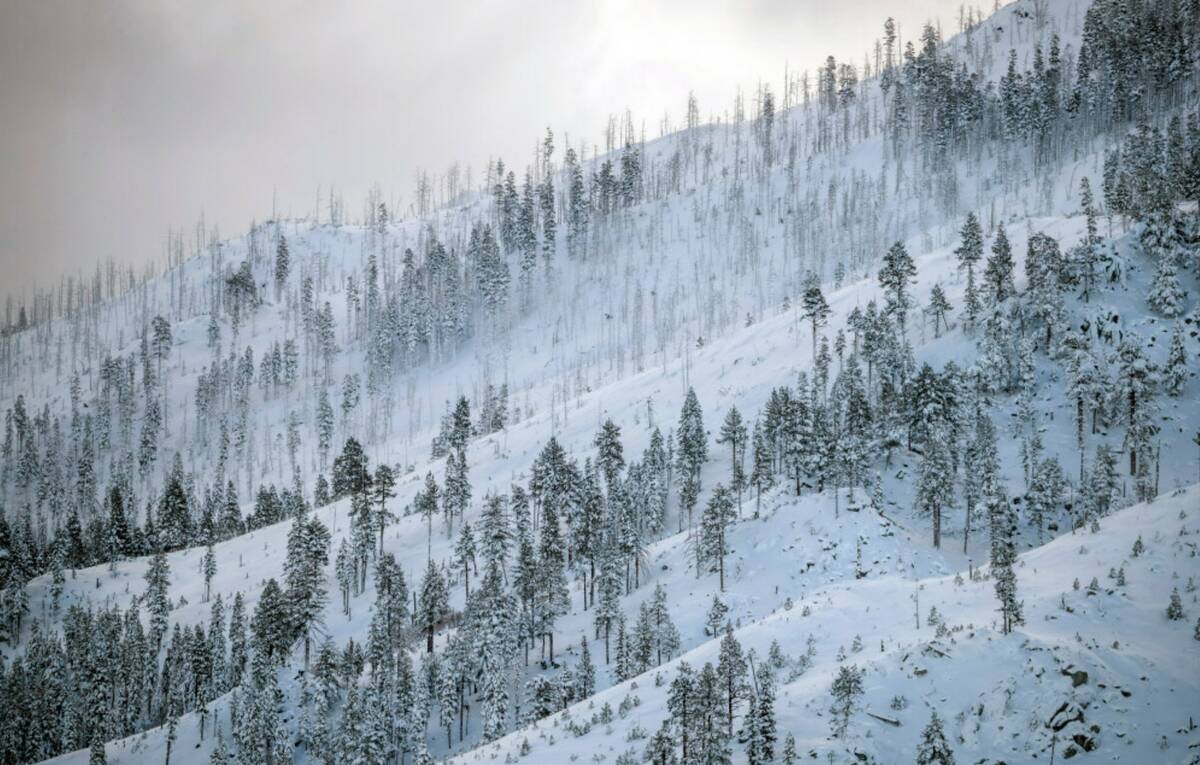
754	265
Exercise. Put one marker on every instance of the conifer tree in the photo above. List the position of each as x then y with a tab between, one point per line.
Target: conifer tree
1175	373
1002	523
434	603
609	455
998	275
692	449
271	627
815	310
382	489
935	488
895	276
846	690
585	672
939	306
933	749
734	433
158	602
464	557
732	670
713	542
282	265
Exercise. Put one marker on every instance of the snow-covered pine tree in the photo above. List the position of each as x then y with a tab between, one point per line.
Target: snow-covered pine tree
933	749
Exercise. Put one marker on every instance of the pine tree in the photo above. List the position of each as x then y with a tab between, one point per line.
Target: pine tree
210	570
1002	522
734	433
732	670
609	456
935	488
715	616
1046	492
345	573
660	749
895	276
998	275
789	750
713	542
1175	607
304	572
681	697
933	749
464	557
271	627
846	690
970	248
758	725
1175	373
282	265
1086	253
815	310
1166	296
585	672
692	451
96	755
434	603
382	489
939	306
1133	393
157	599
260	734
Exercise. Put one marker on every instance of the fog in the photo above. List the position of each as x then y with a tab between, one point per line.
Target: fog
122	120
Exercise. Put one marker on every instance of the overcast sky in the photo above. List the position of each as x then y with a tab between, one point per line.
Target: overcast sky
119	120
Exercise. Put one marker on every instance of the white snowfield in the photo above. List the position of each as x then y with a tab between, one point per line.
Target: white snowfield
1103	669
700	289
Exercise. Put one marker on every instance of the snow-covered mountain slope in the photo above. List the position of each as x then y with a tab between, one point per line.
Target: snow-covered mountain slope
698	286
1094	669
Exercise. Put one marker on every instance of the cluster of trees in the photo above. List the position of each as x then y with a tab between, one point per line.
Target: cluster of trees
704	707
102	678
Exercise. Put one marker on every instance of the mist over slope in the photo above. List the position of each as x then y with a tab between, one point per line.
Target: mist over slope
897	359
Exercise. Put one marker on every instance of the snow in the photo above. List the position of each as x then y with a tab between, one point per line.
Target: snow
569	364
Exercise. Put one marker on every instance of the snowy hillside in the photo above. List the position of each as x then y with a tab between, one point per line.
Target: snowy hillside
903	359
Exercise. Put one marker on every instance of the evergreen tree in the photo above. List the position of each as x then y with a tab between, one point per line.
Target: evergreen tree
713	542
692	450
304	575
271	627
998	275
157	599
382	489
434	604
815	310
935	488
933	749
1175	373
585	672
895	276
970	252
732	669
1002	523
758	726
846	690
939	306
734	433
609	455
464	557
282	265
96	755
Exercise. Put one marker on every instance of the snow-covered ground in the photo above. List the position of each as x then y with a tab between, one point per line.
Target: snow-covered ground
700	290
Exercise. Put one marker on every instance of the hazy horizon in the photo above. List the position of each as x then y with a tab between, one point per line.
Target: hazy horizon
123	121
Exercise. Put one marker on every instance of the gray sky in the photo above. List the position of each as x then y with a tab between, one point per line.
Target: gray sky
119	120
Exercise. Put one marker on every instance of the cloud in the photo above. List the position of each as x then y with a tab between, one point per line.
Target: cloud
122	119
